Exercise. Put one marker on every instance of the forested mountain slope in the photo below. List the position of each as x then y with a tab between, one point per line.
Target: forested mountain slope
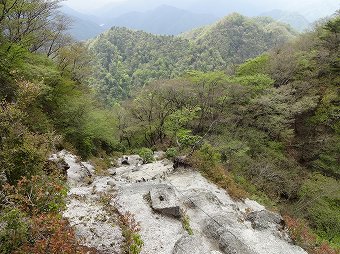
271	127
129	58
238	38
266	129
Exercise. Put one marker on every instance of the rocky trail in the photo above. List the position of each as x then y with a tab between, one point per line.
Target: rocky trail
169	204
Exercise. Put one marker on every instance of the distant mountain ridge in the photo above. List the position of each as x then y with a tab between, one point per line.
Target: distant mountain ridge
129	58
164	19
83	26
296	20
238	38
184	15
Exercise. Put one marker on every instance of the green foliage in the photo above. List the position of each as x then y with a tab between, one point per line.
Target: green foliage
176	122
13	231
258	82
146	154
186	224
171	153
136	247
238	38
22	152
210	154
38	194
128	59
257	65
207	160
187	139
320	202
11	58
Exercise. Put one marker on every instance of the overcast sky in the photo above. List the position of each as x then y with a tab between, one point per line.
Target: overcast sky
305	7
87	5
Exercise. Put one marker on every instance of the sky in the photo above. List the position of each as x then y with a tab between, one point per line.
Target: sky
87	5
308	8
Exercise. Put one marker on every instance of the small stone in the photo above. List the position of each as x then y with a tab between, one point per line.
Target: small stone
111	183
125	161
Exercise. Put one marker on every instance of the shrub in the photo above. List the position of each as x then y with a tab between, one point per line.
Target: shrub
302	235
146	154
22	153
130	229
37	195
171	153
50	234
13	230
187	139
320	197
207	160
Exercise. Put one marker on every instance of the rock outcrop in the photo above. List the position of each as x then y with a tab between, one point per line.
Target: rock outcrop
157	195
190	244
265	219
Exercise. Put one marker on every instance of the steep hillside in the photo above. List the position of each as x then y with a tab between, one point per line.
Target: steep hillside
156	204
132	58
238	38
129	58
272	126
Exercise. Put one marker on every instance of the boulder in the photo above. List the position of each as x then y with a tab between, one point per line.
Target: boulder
181	162
125	161
218	229
111	183
164	201
265	219
132	160
190	244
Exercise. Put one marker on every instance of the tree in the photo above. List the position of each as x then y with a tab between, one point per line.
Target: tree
35	25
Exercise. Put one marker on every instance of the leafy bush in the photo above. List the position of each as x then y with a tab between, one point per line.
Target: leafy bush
50	234
187	139
130	229
37	195
22	152
207	160
301	234
171	153
146	154
14	227
320	196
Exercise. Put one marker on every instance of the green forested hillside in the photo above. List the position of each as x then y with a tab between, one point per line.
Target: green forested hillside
128	59
238	38
271	128
44	106
267	128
